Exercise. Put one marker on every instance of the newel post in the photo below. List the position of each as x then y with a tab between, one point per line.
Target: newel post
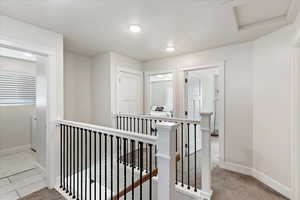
166	158
206	152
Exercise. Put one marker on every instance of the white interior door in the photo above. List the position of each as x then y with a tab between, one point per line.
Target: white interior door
129	93
39	137
193	107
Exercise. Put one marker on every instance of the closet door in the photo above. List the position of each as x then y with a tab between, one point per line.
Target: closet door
129	92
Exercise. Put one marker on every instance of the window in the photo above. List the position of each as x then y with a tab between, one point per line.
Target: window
17	88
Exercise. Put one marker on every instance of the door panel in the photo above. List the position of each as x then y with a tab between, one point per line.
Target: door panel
194	98
194	107
129	93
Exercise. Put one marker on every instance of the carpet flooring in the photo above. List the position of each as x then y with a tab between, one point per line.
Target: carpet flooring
226	185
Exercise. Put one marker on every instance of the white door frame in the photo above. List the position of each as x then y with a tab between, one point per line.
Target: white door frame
54	98
220	66
186	98
135	72
147	92
295	116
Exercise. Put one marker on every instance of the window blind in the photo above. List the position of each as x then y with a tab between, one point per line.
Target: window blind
17	88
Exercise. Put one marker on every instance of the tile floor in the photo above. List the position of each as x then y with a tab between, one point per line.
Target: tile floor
21	184
19	176
14	163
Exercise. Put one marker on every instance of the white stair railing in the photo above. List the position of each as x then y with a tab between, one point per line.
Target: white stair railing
194	154
99	162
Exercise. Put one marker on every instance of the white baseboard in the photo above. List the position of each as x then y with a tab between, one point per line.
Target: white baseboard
275	185
41	167
5	152
63	193
236	168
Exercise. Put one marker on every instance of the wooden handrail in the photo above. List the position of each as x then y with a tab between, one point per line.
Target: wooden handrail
138	182
177	157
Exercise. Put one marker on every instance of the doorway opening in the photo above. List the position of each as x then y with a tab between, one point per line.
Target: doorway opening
204	93
23	119
161	95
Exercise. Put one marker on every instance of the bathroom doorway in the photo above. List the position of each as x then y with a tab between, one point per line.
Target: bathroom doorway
161	95
23	122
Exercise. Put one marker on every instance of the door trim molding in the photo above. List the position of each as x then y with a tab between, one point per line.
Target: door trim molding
55	93
295	117
221	66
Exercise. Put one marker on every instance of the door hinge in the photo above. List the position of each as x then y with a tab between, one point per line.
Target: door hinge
186	113
185	80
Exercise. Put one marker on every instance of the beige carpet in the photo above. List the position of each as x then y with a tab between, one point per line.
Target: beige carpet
226	185
233	186
44	194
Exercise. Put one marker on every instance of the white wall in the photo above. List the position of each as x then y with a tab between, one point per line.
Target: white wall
29	37
118	60
101	90
12	136
296	114
16	65
104	77
272	106
77	87
238	85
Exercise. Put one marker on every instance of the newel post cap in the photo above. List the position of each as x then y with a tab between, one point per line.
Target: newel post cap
166	126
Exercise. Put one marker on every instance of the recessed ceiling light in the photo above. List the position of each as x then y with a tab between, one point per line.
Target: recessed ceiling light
28	55
170	49
134	28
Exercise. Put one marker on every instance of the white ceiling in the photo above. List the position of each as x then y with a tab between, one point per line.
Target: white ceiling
95	26
259	10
